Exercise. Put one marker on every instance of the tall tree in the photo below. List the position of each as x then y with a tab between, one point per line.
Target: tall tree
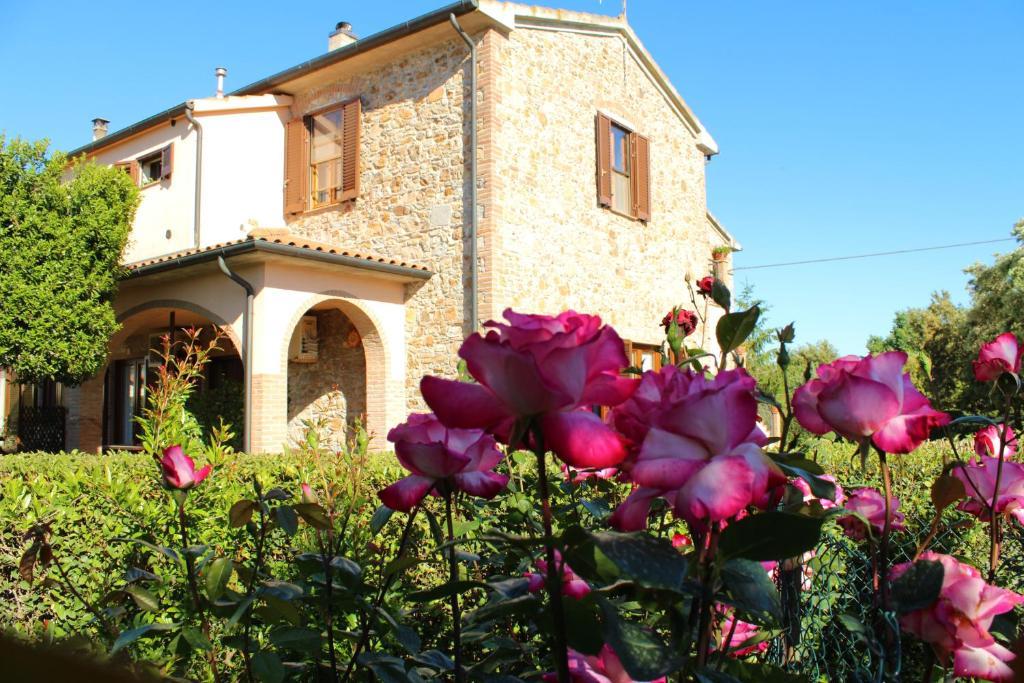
62	231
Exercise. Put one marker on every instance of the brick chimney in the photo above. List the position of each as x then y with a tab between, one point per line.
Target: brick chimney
99	128
341	36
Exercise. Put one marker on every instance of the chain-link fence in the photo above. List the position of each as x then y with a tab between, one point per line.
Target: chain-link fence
832	591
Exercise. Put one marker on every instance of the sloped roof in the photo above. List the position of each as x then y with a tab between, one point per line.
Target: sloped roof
279	242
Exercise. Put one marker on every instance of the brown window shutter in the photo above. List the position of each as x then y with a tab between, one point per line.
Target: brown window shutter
350	126
296	150
133	171
641	150
166	161
604	160
629	351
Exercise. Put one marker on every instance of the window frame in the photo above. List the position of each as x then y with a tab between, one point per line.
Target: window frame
136	165
307	119
631	159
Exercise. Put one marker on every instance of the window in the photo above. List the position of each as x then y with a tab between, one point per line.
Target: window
623	169
152	168
644	356
322	158
325	158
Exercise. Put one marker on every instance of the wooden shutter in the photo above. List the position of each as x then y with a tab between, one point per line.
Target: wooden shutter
133	171
166	161
350	126
296	168
604	160
640	148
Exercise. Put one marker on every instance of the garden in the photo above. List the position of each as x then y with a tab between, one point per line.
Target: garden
558	516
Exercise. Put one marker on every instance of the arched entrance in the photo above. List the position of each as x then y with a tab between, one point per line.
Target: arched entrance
111	402
335	372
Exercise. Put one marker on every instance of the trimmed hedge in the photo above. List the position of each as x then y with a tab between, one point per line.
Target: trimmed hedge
92	500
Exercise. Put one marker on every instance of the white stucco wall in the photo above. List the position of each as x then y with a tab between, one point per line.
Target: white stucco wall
242	171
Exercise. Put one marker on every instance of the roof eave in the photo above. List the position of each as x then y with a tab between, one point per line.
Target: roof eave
393	269
118	135
370	42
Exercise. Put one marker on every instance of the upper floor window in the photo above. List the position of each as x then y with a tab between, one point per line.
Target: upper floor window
322	158
623	169
150	168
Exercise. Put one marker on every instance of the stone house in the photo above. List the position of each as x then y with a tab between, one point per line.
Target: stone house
324	216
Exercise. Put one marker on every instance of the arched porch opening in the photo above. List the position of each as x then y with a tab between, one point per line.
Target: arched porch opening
135	354
335	362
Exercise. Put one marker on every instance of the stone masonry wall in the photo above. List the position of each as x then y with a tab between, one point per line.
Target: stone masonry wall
332	389
556	248
411	191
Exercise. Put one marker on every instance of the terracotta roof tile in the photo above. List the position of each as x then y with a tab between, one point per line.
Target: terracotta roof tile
277	237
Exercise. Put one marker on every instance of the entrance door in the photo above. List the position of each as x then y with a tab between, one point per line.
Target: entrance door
126	398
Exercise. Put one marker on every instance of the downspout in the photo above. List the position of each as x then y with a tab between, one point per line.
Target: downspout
250	293
189	108
474	209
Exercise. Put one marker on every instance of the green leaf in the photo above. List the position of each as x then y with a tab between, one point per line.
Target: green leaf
267	667
218	573
380	517
241	512
142	597
720	294
275	610
734	328
347	567
163	550
770	536
751	590
821	488
297	638
706	675
638	557
196	639
918	587
131	635
314	515
946	490
643	654
385	668
287	519
444	590
584	634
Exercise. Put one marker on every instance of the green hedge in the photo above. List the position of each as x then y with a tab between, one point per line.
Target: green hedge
92	500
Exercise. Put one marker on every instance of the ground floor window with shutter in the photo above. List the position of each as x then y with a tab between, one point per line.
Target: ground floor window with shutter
623	169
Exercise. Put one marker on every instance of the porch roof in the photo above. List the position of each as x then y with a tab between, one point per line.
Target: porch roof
281	243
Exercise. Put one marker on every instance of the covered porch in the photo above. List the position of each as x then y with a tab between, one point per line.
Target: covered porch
312	333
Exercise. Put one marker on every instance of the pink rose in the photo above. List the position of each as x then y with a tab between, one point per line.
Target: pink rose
705	285
1000	355
870	504
870	397
554	369
572	585
686	320
180	470
989	441
958	623
700	447
461	459
308	495
579	476
743	633
603	668
681	541
979	481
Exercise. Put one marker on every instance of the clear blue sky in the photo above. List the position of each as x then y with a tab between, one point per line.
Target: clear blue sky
845	127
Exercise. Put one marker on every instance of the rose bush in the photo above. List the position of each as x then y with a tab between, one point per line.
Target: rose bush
670	524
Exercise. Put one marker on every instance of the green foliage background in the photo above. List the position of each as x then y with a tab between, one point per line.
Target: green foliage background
942	338
60	245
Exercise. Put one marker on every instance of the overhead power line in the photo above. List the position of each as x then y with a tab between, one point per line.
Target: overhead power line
873	255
